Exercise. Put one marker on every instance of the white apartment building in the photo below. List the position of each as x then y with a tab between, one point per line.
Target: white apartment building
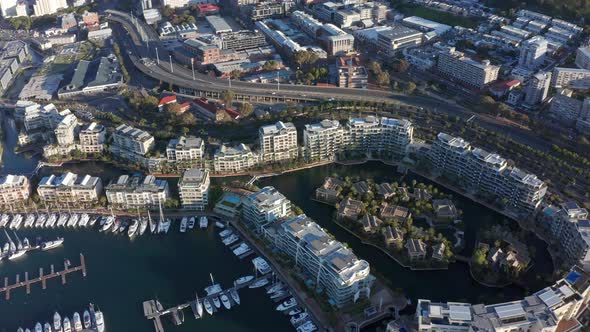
92	138
379	135
8	8
185	149
570	78
278	142
459	67
583	57
566	109
344	277
14	189
69	188
193	189
239	158
532	52
48	7
323	140
477	169
537	88
135	191
570	227
65	131
130	140
265	207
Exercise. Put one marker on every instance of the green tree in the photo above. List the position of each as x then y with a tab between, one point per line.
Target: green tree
410	88
246	109
228	97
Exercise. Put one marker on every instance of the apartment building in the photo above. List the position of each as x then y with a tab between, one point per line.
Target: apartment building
65	131
234	159
69	188
566	109
278	142
532	53
570	227
486	172
398	38
323	140
570	78
193	189
136	191
537	88
457	66
185	149
379	135
130	143
242	40
265	207
48	7
583	57
14	189
333	267
351	74
92	138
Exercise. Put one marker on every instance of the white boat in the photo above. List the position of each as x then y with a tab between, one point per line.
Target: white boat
57	321
216	302
275	288
122	226
30	220
225	233
87	320
199	306
308	326
77	322
191	223
259	283
279	294
241	249
208	306
133	228
243	280
219	224
108	223
5	250
93	221
299	318
16	221
46	327
67	326
47	245
290	303
84	219
4	220
183	223
51	220
20	329
99	321
116	226
26	244
203	222
151	224
41	219
230	239
63	219
38	327
295	311
143	224
165	226
234	295
261	265
73	221
225	301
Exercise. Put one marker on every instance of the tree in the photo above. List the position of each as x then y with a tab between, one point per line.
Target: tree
246	109
410	88
235	74
400	66
382	79
228	97
173	108
189	119
270	65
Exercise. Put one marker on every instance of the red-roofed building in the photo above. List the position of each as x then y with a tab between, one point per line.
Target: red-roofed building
214	111
166	101
185	107
501	89
207	9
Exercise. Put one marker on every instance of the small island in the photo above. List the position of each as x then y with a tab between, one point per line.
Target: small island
400	219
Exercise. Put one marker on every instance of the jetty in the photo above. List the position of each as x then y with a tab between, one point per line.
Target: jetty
68	268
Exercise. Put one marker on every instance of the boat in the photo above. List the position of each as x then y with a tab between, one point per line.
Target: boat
191	223
4	220
20	329
67	326
275	288
47	245
133	228
15	251
234	295
46	327
51	220
290	303
123	225
116	225
225	233
230	239
38	327
63	218
243	280
299	318
241	249
143	224
208	306
259	283
214	288
216	302
151	223
183	224
87	320
93	221
219	224
99	321
203	222
16	221
57	321
225	301
198	306
30	220
279	294
40	222
165	226
84	219
261	265
5	250
73	221
308	326
26	244
108	223
77	322
295	311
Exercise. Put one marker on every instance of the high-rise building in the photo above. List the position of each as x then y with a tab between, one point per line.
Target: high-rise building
184	3
69	189
14	189
278	142
239	158
532	53
131	192
564	108
537	88
48	7
583	57
570	78
193	189
8	8
323	140
379	135
466	70
128	141
92	138
185	149
265	207
66	129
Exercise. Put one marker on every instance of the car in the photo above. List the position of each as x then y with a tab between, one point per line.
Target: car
274	93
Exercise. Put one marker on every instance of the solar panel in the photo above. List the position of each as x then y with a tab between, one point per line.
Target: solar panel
509	311
459	312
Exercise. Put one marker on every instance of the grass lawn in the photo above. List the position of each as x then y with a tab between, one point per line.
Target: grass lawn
438	16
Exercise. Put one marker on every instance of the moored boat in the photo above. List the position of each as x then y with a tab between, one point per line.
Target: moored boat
183	225
46	327
108	223
30	220
225	301
133	228
290	303
216	302
143	224
295	311
56	321
98	317
241	249
67	326
299	318
259	283
234	295
203	222
38	327
225	233
219	224
243	280
47	245
87	320
230	239
208	306
51	220
84	219
77	322
261	265
41	219
191	223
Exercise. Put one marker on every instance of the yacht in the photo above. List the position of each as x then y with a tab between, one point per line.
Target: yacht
290	303
295	311
299	318
243	280
20	329
203	222
198	306
230	239
225	233
165	226
278	294
87	320
143	224
261	265
151	224
41	219
116	226
219	224
67	326
123	225
51	220
99	321
308	326
108	223
234	295
93	221
4	220
57	322
46	327
84	219
5	250
77	322
191	223
47	245
259	283
275	288
208	306
183	224
73	221
30	220
14	251
133	228
26	244
241	249
16	221
38	327
63	219
225	301
216	302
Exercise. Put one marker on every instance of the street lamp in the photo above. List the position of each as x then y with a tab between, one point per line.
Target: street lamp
171	68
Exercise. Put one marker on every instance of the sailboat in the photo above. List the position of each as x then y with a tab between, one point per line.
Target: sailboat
142	224
133	228
164	223
199	306
151	223
77	322
15	252
57	322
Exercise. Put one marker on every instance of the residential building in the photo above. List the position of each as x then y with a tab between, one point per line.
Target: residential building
14	189
66	129
583	57
350	209
351	74
332	266
69	189
532	53
566	109
335	40
570	228
8	8
193	189
184	3
265	207
416	249
234	159
486	172
48	7
458	66
537	88
137	192
266	9
379	135
127	139
323	140
398	38
242	40
92	138
185	149
570	78
278	142
329	190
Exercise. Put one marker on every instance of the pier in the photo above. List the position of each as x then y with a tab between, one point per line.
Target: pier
8	288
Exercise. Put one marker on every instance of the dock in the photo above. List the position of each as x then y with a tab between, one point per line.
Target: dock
8	288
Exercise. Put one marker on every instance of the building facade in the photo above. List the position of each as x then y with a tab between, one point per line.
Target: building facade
132	192
239	158
69	188
323	140
278	142
193	189
265	207
185	149
14	189
537	88
92	138
532	53
570	78
459	67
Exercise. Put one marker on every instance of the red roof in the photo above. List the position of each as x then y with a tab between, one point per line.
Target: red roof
204	103
167	100
207	7
185	106
233	113
512	83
